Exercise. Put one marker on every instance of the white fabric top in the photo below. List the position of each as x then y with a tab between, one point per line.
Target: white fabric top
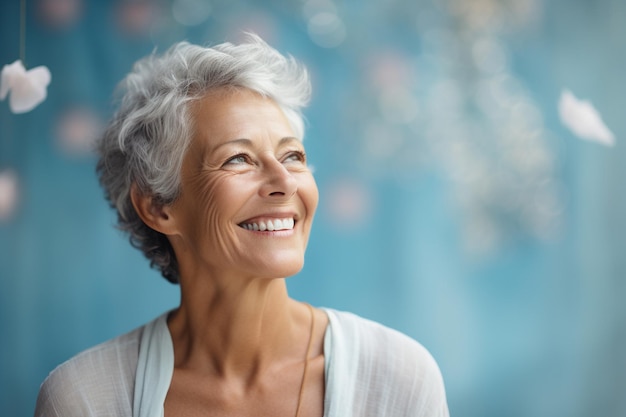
371	371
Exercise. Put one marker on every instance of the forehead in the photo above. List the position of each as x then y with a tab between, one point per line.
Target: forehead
225	115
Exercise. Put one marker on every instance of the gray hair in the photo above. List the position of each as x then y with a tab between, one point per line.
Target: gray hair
146	140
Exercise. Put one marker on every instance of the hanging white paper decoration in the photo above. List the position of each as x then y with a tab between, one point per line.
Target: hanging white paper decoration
27	88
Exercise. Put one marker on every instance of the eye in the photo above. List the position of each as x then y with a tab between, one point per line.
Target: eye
295	156
240	158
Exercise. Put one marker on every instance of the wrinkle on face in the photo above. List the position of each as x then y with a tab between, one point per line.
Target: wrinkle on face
216	196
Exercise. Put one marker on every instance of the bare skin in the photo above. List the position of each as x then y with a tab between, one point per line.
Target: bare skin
248	372
239	340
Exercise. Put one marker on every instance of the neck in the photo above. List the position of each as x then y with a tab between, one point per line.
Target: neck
237	330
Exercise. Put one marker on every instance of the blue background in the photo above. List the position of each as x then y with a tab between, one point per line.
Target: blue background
455	205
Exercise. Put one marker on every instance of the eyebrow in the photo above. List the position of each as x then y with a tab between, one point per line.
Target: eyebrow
288	139
248	142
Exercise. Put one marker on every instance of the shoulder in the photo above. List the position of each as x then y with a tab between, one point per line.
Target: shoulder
97	381
377	342
389	366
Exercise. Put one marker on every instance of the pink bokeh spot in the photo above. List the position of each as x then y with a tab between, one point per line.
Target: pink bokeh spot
349	203
60	13
8	193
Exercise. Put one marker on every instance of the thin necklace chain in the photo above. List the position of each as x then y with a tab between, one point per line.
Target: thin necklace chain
306	360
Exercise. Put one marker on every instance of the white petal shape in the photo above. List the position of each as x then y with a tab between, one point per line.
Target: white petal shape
27	88
9	74
583	119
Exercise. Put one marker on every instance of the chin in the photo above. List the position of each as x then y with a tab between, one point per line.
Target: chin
280	269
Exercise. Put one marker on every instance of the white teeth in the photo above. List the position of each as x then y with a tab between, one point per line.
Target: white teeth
270	225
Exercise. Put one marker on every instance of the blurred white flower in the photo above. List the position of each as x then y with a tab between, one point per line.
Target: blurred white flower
583	119
28	88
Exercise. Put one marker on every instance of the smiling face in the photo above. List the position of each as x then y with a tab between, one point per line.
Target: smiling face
247	196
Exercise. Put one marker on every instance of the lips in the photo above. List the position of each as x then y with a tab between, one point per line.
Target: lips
270	225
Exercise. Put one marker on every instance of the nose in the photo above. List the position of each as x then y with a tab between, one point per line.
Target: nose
278	181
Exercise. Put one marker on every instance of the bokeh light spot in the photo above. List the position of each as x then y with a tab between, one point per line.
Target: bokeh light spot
191	12
349	203
327	30
382	141
398	106
489	55
390	70
59	13
136	17
8	193
77	130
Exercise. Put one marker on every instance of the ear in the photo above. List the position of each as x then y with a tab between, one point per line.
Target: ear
154	215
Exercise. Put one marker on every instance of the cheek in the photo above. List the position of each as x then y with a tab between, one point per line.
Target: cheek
207	221
202	192
309	193
213	222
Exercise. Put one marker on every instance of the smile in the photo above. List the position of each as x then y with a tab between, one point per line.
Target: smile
270	225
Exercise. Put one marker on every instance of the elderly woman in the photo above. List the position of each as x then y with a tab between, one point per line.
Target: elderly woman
205	165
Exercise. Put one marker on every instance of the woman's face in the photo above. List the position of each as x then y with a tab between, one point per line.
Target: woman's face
247	196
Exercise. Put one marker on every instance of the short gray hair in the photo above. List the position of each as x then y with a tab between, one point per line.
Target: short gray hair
146	140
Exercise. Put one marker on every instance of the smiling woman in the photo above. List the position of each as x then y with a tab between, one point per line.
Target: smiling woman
205	165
